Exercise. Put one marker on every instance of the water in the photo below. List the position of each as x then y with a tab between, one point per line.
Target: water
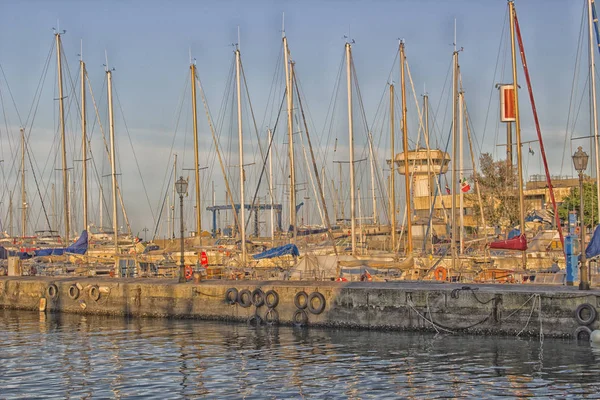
75	356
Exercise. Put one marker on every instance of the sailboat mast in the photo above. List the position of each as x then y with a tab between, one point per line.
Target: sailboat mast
290	100
113	166
84	148
173	200
462	173
196	157
62	135
10	214
241	150
511	6
430	174
454	234
351	148
271	186
392	170
23	192
409	245
594	104
372	165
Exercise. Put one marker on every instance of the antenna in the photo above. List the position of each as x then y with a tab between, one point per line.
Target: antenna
106	57
283	24
190	51
81	50
454	34
238	42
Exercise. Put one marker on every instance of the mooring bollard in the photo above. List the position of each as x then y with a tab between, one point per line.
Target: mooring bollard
197	277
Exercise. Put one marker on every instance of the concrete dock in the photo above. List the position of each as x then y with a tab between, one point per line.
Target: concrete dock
527	310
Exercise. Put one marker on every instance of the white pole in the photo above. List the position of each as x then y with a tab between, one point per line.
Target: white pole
241	151
462	173
351	148
593	105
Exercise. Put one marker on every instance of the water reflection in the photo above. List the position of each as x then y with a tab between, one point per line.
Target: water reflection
62	355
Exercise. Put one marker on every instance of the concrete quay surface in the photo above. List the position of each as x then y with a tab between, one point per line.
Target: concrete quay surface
556	311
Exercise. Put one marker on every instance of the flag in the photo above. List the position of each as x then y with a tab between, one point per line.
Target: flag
447	189
531	151
464	185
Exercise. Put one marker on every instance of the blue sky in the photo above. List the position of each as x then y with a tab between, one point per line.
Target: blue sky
148	44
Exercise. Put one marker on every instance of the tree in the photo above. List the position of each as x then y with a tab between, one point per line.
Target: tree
590	203
499	196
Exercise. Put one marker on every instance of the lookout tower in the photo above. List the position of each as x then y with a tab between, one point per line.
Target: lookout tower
424	166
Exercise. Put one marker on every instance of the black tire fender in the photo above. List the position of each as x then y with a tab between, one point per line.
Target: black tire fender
52	291
271	317
94	293
301	304
73	292
271	299
316	297
231	296
300	318
581	316
245	298
258	297
583	333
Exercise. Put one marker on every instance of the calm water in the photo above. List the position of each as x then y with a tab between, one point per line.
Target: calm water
73	356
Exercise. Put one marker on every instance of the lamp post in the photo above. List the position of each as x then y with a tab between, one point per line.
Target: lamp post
580	160
181	187
145	230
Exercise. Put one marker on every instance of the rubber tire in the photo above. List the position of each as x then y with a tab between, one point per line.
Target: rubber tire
316	310
52	291
582	307
245	298
229	299
73	292
297	297
300	318
94	293
258	297
271	317
582	330
255	320
271	294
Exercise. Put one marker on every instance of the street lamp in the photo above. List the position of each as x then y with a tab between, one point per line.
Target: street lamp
181	187
580	160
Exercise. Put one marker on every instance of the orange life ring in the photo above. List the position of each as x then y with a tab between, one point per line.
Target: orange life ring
440	274
189	271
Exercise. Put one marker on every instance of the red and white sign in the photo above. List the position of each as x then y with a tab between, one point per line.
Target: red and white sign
507	103
203	259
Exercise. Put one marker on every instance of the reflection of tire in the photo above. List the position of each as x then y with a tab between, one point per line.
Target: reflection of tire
300	318
245	298
231	296
258	297
271	299
73	292
583	333
585	314
301	300
272	317
52	291
319	299
94	293
255	320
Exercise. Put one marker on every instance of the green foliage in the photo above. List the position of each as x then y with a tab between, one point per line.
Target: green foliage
498	192
590	204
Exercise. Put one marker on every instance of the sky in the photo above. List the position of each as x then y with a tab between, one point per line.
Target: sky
148	43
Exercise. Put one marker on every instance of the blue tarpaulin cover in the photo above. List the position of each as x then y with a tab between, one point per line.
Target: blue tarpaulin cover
79	247
593	248
290	249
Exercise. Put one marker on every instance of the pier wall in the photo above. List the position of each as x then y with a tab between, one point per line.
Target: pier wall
450	308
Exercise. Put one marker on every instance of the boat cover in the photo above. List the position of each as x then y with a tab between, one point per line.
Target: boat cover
593	248
516	243
290	249
79	247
